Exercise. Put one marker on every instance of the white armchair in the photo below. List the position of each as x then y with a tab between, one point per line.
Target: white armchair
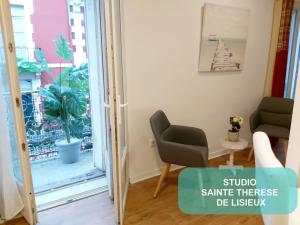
264	157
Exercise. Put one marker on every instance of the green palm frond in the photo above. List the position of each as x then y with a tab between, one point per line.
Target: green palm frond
62	48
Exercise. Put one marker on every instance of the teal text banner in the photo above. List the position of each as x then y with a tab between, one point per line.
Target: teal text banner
237	191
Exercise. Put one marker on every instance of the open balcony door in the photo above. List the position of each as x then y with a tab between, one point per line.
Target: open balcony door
117	104
15	120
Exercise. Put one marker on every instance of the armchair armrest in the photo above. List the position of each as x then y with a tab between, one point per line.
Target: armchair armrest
185	135
254	121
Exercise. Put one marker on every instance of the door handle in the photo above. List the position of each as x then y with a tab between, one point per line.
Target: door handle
106	105
124	105
119	107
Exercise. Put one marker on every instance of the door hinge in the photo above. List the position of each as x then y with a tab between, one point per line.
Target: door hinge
10	47
32	207
23	146
18	102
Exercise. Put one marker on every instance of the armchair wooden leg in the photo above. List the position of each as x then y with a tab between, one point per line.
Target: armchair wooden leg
161	178
285	143
250	154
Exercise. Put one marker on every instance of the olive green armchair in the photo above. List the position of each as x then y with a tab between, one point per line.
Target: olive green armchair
273	116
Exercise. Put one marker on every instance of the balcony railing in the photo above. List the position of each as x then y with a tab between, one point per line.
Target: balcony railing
42	134
25	53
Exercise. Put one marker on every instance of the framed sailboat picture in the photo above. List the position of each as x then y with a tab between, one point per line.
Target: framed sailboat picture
223	38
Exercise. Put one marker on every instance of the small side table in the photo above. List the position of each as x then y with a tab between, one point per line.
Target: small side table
232	147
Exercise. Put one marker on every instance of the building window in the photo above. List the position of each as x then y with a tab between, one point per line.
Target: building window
72	22
73	35
74	48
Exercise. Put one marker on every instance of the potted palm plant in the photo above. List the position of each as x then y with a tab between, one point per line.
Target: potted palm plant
66	104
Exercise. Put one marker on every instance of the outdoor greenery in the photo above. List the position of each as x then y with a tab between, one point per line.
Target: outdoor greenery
75	77
39	66
65	100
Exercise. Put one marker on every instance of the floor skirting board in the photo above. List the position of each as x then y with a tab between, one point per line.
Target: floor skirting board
156	172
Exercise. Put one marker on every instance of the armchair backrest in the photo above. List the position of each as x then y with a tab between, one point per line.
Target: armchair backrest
159	123
276	111
265	158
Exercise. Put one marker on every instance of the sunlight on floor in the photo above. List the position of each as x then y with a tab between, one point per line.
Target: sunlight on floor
71	193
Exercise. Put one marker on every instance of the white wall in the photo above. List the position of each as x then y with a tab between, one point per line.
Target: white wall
161	43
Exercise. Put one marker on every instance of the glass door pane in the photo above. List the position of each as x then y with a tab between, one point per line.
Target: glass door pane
41	67
6	95
10	94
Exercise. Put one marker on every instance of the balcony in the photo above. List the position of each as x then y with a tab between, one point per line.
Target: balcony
48	171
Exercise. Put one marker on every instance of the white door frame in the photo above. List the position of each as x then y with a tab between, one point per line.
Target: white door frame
99	87
96	71
115	69
111	100
26	189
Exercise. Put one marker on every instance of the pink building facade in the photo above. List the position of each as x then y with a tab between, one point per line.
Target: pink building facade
49	19
52	18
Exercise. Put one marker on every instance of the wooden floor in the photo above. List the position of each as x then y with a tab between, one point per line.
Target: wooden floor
95	210
142	209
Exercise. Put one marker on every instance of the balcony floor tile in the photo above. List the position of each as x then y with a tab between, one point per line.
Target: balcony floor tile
51	174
